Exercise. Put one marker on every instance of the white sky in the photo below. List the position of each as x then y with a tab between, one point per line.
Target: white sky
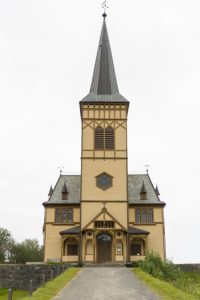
47	55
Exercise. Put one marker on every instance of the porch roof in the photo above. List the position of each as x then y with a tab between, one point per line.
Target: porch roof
133	230
73	230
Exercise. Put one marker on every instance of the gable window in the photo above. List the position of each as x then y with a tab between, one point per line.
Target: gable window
98	224
63	215
144	215
104	138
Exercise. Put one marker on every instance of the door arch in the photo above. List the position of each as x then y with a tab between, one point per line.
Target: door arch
104	248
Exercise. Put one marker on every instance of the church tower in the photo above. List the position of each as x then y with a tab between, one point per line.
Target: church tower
104	178
103	215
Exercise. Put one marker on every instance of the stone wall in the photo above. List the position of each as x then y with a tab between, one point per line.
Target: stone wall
19	276
189	267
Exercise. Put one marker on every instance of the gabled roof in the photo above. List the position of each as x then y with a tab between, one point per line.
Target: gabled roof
133	230
104	87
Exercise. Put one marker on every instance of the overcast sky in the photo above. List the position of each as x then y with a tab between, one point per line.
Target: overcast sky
47	55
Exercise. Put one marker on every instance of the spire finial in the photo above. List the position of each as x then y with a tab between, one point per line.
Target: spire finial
61	168
105	7
147	168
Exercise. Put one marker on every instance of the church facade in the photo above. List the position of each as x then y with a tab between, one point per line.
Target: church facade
104	215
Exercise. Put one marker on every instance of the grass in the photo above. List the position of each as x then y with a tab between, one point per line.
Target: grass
190	283
166	290
17	294
52	288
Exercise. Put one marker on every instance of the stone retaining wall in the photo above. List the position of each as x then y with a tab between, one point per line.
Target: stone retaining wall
19	276
189	267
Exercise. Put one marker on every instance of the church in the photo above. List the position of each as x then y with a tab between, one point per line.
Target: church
104	215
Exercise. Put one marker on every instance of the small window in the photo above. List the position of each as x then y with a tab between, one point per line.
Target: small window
98	224
136	249
119	248
109	138
64	215
70	246
104	181
150	216
109	224
57	215
69	215
72	249
137	216
144	216
99	138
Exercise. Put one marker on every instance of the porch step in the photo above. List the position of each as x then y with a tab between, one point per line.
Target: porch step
103	265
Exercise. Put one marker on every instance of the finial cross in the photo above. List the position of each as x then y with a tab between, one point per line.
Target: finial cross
147	168
61	168
105	7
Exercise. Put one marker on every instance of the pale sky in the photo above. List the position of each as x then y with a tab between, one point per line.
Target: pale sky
47	55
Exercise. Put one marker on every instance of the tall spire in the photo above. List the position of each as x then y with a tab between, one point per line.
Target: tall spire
104	80
104	87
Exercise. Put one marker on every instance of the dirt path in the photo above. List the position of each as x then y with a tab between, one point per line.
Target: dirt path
106	284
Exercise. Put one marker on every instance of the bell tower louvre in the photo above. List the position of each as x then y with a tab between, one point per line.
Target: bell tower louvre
103	215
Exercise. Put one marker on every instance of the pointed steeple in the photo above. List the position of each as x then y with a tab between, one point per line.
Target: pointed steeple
104	87
104	81
50	191
157	191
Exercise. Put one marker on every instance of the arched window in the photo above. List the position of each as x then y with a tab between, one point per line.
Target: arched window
71	247
99	138
119	248
109	138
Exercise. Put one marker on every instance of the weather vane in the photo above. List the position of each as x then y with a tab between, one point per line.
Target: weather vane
147	168
105	7
61	168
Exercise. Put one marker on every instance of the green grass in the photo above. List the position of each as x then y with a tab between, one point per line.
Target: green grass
166	290
52	288
190	283
17	295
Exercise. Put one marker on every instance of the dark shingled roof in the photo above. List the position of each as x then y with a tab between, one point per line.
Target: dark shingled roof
104	87
73	230
135	183
133	230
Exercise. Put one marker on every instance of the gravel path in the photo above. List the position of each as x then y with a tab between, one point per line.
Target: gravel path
106	284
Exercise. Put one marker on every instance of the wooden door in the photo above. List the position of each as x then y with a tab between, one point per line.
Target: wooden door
104	248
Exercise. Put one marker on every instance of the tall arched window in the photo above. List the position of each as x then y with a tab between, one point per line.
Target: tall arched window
109	138
99	138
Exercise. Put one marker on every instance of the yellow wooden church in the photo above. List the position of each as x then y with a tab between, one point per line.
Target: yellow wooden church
104	215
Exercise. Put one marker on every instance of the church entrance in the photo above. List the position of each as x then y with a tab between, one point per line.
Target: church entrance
104	248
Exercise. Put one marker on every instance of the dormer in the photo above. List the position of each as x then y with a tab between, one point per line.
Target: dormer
64	192
143	192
